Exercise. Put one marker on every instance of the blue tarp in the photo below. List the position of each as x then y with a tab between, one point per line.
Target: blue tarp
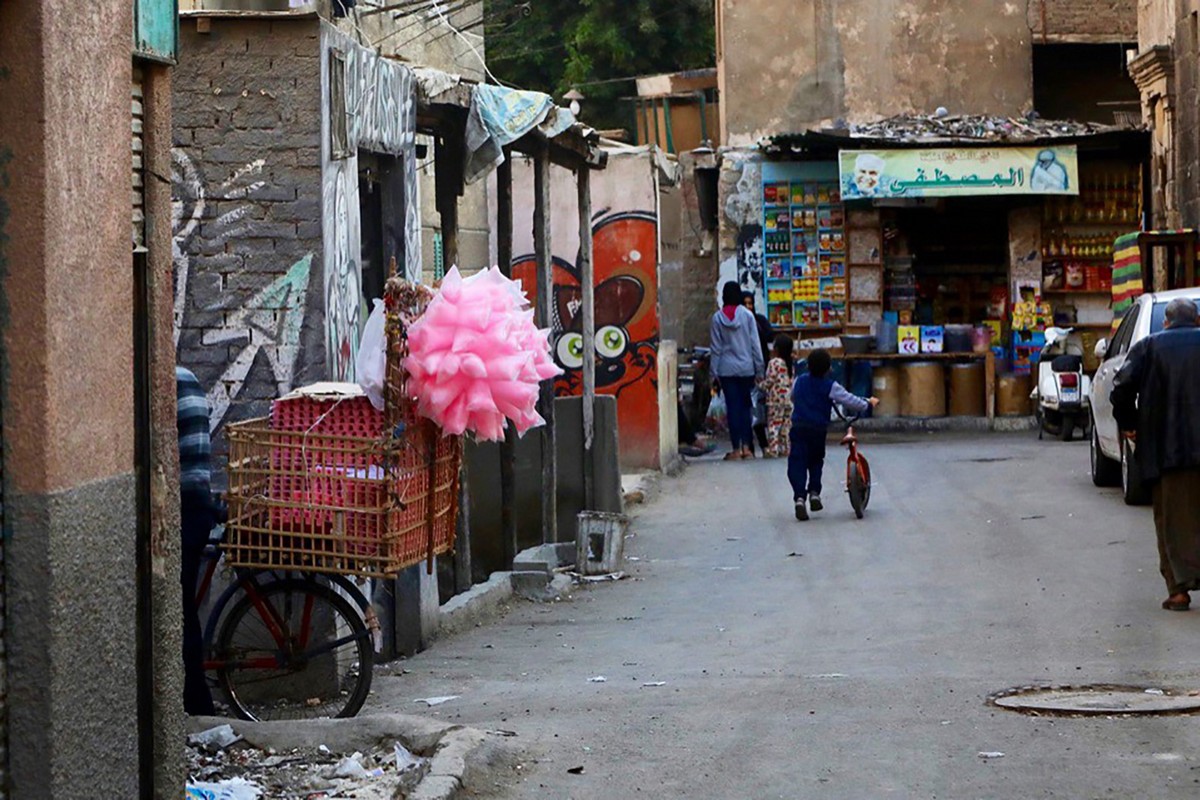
499	116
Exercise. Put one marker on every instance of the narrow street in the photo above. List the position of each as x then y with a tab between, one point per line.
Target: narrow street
858	667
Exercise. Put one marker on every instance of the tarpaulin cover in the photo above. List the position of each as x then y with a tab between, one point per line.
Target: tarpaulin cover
1127	275
499	116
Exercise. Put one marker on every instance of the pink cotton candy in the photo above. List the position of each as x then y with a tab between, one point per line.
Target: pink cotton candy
476	357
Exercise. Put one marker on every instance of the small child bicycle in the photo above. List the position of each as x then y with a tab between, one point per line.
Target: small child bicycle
858	471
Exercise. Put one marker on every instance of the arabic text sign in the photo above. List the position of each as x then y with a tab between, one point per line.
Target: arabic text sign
957	172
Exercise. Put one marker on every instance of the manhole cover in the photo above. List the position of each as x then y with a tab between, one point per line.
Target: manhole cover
1098	700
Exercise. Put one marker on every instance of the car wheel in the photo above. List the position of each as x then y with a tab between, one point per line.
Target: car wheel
1067	431
1131	478
1105	471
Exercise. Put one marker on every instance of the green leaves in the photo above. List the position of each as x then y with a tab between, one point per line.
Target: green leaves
594	44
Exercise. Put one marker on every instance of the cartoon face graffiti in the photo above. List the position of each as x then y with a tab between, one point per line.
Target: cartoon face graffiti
626	342
618	356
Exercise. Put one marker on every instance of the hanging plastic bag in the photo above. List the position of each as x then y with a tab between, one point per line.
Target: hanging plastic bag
717	418
371	364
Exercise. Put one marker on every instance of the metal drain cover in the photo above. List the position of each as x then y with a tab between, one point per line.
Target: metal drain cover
1100	700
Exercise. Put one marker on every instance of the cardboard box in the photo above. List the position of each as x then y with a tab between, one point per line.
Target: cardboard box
908	338
932	338
997	328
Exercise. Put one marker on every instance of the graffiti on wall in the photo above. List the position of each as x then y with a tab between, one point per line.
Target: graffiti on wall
625	254
266	321
743	207
380	107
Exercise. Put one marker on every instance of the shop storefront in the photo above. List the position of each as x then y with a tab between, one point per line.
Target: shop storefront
961	255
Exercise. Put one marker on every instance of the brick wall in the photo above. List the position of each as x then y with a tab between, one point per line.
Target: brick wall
1094	21
247	216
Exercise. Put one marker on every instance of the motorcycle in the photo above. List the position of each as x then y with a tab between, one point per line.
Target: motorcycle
1061	396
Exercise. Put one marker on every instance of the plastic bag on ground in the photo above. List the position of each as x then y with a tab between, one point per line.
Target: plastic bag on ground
371	364
232	789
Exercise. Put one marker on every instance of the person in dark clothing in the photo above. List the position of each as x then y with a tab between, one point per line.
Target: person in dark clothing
813	396
766	335
737	362
198	514
1156	402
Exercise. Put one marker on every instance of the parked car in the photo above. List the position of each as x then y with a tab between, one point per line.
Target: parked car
1111	454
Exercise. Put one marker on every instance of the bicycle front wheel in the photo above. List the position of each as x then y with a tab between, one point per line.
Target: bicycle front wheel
294	649
860	490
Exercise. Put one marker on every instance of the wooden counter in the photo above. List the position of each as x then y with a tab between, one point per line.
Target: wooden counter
988	358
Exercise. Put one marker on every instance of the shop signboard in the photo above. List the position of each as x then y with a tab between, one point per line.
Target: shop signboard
959	172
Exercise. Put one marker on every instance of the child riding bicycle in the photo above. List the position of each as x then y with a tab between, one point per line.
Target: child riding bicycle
813	397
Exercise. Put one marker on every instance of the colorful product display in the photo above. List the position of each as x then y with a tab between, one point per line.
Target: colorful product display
805	247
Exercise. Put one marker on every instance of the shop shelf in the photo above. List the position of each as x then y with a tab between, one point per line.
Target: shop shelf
1078	291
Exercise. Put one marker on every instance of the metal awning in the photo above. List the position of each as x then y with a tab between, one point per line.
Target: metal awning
914	132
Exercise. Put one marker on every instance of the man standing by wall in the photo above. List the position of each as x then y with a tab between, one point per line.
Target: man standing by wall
1156	400
197	516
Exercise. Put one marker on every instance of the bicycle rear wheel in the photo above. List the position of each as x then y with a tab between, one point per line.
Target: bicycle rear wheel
294	649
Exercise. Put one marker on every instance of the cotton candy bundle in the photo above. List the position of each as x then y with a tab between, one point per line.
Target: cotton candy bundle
475	357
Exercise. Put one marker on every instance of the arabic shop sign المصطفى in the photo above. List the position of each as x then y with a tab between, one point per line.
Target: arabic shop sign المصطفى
958	172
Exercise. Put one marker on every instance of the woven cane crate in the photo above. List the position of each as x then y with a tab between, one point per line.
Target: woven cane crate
334	486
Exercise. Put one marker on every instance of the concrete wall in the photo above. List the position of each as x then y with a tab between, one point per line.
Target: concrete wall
487	544
163	496
1083	21
1187	99
65	263
426	40
627	255
1156	22
788	66
250	310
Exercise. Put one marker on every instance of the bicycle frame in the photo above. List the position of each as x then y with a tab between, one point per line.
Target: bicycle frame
853	457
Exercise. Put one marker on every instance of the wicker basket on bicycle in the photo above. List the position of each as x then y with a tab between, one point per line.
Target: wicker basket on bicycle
331	485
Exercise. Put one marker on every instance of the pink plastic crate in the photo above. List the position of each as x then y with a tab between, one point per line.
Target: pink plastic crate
314	478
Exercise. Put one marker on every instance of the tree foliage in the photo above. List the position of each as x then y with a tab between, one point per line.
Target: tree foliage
554	45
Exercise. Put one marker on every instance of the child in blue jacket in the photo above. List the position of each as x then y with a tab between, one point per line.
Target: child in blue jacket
813	396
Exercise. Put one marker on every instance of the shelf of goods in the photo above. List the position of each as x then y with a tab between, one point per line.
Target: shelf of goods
804	242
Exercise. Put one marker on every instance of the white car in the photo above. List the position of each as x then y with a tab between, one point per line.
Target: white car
1112	455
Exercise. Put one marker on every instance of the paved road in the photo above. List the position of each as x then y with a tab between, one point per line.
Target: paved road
858	669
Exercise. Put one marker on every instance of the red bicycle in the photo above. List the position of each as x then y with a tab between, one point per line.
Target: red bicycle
287	645
858	471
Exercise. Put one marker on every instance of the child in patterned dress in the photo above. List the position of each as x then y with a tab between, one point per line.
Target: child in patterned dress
777	385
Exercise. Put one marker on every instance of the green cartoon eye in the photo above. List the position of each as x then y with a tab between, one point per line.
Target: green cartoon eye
611	341
570	350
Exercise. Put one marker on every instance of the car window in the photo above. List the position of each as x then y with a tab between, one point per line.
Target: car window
1158	316
1120	341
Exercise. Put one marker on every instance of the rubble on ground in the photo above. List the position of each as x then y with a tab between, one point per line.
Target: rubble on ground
307	773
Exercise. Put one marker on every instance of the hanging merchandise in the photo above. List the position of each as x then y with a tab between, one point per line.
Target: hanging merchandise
476	357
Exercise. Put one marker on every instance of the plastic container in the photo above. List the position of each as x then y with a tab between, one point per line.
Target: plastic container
857	344
981	339
885	384
885	338
967	390
958	339
923	390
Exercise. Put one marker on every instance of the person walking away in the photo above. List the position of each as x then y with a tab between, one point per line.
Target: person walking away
813	397
737	362
777	386
197	515
1156	402
766	335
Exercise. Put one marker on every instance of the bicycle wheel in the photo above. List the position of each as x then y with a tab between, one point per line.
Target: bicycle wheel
860	490
294	649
